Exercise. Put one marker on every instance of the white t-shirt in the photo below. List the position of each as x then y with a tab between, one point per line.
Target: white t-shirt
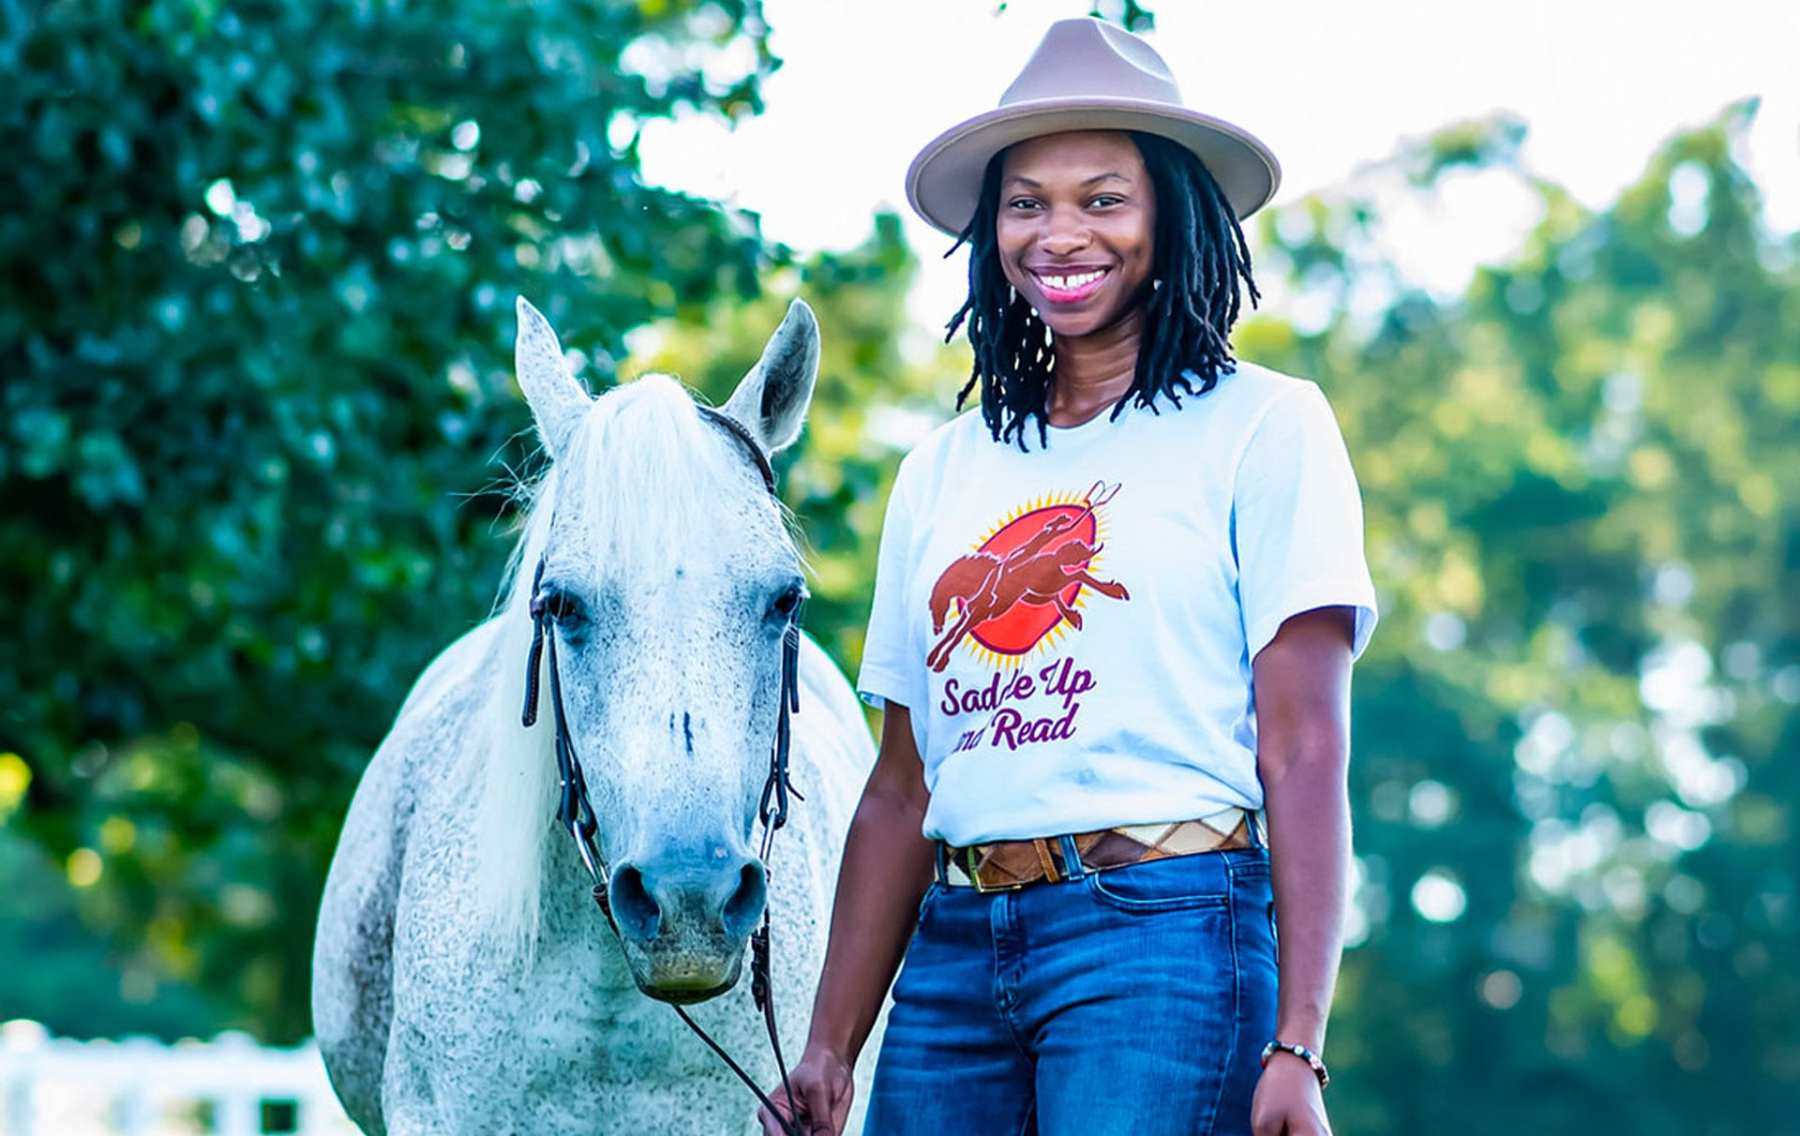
1072	627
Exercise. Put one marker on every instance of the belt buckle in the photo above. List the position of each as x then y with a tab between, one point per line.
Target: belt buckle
970	867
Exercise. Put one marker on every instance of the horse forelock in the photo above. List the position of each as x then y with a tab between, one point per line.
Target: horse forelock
649	478
652	475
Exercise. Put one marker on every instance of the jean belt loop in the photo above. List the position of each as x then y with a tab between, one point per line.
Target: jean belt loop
1073	868
1258	820
941	857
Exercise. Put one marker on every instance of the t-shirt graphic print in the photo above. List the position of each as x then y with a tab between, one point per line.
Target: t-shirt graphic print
1072	626
1023	582
1017	594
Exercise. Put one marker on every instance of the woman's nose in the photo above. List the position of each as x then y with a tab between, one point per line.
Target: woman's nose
1064	240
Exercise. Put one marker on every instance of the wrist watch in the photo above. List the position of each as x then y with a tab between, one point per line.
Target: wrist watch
1303	1053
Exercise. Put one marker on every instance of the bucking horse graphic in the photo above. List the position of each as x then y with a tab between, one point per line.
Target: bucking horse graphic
1045	570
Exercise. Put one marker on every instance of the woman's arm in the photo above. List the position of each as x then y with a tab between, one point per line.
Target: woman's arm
1302	684
887	866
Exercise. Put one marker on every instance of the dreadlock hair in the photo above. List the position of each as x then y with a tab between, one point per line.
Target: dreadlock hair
1200	258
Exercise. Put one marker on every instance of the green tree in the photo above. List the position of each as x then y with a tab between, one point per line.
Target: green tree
1575	827
255	323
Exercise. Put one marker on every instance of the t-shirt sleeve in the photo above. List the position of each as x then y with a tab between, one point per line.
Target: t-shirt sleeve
892	666
1297	522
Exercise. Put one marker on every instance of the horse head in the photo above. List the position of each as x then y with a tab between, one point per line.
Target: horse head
670	579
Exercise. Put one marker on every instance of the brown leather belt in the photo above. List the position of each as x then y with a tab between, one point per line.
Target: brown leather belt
1007	864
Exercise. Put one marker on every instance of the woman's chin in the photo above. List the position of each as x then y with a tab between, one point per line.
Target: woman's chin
1075	325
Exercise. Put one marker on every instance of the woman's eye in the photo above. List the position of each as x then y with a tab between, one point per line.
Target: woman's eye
1107	199
1020	203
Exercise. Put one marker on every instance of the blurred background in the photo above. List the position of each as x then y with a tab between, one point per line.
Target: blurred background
259	432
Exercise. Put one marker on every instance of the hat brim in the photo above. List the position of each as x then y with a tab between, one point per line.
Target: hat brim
944	181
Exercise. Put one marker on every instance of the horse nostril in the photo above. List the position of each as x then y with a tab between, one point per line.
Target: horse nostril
670	902
744	906
636	910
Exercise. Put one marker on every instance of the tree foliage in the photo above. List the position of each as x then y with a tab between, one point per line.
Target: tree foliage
256	322
1576	832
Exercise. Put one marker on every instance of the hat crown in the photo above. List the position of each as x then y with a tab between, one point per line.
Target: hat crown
1085	56
1085	74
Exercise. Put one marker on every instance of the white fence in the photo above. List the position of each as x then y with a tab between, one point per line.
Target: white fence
52	1086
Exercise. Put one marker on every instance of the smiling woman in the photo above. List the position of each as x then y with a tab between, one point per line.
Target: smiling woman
1103	658
1111	241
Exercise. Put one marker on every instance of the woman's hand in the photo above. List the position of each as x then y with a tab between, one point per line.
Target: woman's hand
1287	1101
823	1088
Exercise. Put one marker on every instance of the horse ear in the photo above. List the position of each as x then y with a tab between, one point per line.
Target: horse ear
556	397
771	402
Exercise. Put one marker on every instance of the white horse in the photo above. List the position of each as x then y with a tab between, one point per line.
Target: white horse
463	979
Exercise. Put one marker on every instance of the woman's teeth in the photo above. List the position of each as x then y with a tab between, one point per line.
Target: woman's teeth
1070	287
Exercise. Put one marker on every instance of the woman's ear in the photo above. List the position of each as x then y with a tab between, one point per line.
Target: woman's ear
771	400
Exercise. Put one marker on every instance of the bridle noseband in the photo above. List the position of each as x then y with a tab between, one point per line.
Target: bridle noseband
575	813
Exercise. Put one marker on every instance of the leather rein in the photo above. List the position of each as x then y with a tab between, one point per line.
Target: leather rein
575	813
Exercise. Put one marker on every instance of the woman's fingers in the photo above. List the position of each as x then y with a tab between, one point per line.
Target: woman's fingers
821	1088
815	1106
815	1120
770	1125
840	1109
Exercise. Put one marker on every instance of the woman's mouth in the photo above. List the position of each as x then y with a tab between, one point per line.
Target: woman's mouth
1070	287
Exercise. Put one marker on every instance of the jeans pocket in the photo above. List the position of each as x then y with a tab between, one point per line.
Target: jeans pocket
1172	884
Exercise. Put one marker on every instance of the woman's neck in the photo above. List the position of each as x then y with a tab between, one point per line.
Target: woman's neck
1092	372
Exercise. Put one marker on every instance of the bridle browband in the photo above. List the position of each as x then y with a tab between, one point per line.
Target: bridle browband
575	813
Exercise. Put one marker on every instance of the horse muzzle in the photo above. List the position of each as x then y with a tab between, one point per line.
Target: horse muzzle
684	978
684	925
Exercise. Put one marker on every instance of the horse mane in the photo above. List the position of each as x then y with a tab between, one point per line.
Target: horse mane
650	474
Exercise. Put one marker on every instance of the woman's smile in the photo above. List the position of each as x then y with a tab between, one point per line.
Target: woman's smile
1069	285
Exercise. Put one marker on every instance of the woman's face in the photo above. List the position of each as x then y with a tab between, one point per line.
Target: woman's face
1075	227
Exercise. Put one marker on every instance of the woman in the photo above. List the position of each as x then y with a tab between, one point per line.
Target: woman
1115	613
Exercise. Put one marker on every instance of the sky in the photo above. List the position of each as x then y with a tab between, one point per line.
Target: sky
1329	86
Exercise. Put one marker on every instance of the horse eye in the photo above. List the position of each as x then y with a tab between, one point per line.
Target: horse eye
787	602
562	606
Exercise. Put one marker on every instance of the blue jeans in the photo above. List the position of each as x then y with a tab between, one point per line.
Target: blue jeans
1134	1000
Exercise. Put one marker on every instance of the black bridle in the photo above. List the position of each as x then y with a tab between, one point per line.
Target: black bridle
575	813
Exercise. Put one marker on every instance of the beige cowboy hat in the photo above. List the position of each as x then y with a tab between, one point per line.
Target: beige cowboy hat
1086	74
